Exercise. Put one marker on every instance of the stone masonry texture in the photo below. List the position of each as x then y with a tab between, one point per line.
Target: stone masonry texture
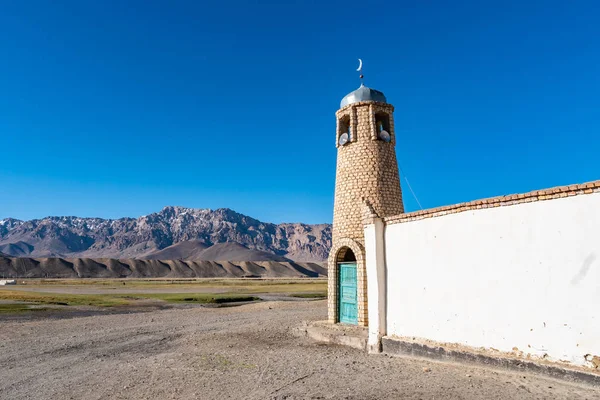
366	178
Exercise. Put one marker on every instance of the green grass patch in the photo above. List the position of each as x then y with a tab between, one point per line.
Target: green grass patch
110	300
276	288
229	286
261	285
203	298
200	291
18	308
320	295
62	299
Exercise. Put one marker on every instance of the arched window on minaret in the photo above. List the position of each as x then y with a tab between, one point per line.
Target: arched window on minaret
382	123
345	127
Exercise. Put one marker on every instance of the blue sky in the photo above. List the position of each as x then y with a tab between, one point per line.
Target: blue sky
112	108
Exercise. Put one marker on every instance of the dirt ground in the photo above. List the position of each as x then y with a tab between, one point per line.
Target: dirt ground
244	352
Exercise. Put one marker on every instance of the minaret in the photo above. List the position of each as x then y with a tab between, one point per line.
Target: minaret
367	183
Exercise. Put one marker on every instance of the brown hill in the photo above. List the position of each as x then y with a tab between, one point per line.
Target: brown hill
236	252
136	268
188	250
18	249
196	250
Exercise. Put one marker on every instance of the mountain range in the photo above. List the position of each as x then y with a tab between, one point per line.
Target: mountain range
174	233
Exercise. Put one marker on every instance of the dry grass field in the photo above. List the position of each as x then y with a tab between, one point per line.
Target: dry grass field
66	295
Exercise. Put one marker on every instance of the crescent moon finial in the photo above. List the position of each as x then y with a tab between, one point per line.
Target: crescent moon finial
359	69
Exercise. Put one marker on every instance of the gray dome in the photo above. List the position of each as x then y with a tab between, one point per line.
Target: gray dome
363	93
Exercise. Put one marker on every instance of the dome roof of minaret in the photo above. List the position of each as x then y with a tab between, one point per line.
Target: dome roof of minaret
363	93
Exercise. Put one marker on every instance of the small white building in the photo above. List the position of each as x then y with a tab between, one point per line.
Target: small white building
514	274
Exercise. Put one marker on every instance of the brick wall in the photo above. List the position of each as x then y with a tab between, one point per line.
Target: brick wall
366	174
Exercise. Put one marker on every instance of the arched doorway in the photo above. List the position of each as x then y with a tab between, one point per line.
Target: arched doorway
347	286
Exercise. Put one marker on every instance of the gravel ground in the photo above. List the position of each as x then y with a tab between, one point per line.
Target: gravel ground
245	352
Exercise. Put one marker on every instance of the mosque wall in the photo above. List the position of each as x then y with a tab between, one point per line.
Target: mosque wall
517	274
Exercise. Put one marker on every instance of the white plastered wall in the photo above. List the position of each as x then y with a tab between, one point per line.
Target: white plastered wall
525	276
376	273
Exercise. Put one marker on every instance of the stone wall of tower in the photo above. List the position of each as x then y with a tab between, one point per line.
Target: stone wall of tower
366	176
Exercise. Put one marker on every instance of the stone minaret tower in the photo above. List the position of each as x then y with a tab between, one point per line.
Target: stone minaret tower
367	185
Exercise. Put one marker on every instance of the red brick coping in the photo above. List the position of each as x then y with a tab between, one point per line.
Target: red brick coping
500	201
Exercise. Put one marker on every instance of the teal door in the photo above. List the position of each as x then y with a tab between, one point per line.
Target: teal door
348	297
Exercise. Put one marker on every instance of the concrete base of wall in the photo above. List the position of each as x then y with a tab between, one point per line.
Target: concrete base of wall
396	346
325	332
